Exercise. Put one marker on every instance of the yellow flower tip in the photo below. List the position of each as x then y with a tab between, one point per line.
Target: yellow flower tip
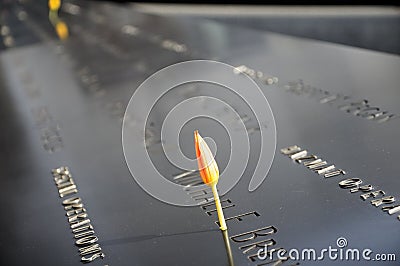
54	4
62	30
208	167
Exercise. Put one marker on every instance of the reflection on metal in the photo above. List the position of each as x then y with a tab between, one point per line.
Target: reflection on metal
312	162
353	185
317	166
290	150
350	183
384	200
93	257
59	25
188	179
306	158
364	188
83	234
298	155
247	236
357	108
77	216
101	89
372	194
256	75
326	169
178	176
335	173
61	29
54	5
228	247
83	228
391	209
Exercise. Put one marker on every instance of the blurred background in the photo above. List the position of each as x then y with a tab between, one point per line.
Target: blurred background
375	26
371	27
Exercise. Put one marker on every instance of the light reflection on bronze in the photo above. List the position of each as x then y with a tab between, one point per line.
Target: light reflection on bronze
59	25
228	247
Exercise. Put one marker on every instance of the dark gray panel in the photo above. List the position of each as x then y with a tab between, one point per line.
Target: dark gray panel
62	104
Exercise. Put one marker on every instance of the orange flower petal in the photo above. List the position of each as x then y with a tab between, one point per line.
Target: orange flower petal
208	167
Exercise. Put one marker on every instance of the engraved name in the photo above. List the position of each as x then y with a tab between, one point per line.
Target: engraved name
368	191
321	167
247	242
78	219
362	108
358	108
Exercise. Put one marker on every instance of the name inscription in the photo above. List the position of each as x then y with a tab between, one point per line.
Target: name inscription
321	167
78	219
358	108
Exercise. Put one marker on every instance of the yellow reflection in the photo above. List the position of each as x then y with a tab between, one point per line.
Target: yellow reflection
54	4
62	30
59	25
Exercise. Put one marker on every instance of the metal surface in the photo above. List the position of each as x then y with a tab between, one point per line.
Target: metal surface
62	104
370	27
